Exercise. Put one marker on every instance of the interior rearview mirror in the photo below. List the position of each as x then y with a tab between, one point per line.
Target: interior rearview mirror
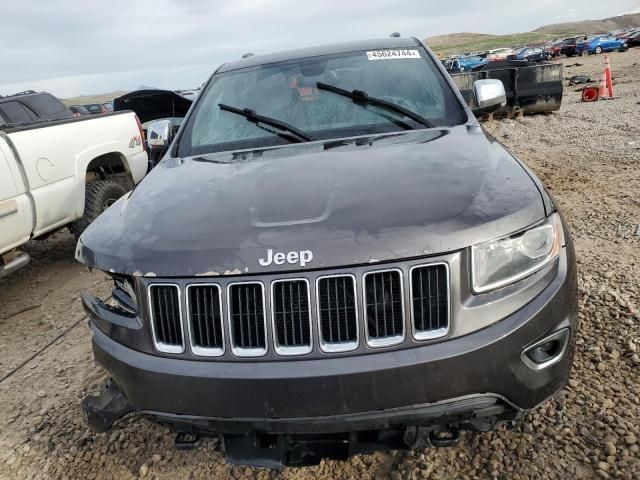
489	95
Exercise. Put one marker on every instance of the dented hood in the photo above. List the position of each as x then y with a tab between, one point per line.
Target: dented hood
349	202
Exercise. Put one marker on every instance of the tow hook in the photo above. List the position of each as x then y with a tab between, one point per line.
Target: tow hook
186	441
445	438
101	411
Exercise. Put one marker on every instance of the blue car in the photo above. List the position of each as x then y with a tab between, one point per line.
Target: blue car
464	64
600	43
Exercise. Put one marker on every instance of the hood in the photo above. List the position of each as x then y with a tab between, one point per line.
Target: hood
349	202
152	104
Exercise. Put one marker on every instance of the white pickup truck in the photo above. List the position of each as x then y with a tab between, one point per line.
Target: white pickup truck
63	173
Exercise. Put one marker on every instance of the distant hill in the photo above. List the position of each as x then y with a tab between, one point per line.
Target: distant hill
86	99
458	43
593	26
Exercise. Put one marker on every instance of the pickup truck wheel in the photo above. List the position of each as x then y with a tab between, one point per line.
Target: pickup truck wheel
98	196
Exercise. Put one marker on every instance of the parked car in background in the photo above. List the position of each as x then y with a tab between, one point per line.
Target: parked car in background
31	106
600	43
568	46
96	108
464	64
633	40
530	54
78	110
554	47
499	54
108	106
626	34
58	173
154	104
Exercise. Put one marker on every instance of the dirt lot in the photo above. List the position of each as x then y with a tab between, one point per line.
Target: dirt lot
589	157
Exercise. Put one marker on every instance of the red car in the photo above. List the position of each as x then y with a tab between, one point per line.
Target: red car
554	47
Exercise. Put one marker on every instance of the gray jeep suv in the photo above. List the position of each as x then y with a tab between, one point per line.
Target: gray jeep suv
332	258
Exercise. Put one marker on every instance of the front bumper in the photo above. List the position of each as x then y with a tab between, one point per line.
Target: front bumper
344	394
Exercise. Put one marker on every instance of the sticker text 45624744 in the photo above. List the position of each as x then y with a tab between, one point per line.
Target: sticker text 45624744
392	54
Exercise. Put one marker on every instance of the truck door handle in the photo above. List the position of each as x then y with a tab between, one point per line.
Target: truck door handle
8	208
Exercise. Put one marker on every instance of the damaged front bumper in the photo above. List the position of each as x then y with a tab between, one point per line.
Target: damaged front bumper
253	442
297	412
272	413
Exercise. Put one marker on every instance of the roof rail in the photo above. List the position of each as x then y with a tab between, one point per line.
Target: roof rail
26	92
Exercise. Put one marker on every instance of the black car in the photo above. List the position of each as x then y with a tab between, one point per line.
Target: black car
78	110
96	108
155	104
633	40
530	54
568	47
332	257
31	106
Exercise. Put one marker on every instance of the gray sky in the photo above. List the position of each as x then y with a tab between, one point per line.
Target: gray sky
72	47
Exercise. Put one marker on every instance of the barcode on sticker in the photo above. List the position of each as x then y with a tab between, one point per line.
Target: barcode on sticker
391	54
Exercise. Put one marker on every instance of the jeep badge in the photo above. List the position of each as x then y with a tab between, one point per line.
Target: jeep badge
303	257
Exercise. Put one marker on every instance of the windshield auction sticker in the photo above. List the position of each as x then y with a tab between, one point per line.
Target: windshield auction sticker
391	54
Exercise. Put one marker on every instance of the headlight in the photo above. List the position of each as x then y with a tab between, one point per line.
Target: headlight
507	260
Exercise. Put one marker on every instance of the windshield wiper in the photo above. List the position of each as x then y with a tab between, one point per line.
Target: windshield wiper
362	97
252	116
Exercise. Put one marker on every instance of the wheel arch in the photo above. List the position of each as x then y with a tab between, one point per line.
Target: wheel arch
101	164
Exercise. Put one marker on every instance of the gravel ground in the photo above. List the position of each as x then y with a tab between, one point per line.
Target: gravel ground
589	157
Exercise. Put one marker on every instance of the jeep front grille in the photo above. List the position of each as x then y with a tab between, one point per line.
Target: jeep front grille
247	319
430	301
291	316
384	307
205	320
166	318
337	313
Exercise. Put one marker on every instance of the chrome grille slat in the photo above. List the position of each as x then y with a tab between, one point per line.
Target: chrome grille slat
291	316
337	313
384	307
247	319
206	329
166	317
430	300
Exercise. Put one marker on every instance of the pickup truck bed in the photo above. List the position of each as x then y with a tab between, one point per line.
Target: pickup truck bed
49	169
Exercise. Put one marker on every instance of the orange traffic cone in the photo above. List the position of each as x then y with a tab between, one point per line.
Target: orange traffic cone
602	92
607	75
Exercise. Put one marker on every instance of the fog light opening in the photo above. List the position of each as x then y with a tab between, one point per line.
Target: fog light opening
547	351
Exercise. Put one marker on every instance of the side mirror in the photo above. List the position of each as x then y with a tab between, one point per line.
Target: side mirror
159	136
489	95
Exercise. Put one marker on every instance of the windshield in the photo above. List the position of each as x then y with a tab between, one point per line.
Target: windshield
287	92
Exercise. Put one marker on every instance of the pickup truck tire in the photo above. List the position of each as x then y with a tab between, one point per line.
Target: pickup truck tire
98	197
